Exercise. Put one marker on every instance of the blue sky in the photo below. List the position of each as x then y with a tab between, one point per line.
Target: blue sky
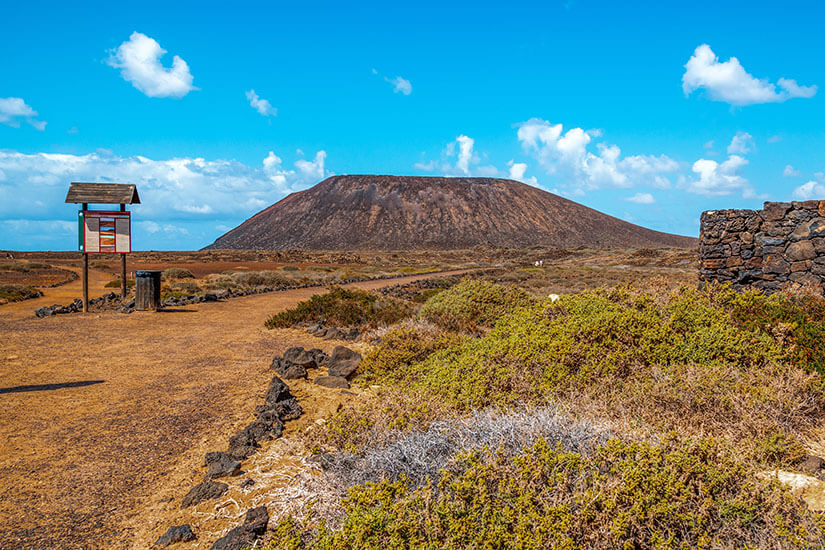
649	111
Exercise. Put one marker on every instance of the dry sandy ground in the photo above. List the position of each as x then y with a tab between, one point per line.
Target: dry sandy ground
105	416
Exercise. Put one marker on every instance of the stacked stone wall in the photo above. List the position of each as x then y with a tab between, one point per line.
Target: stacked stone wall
779	247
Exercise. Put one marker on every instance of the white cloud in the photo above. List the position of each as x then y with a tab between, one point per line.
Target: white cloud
774	139
741	144
41	227
139	62
195	208
307	173
641	198
173	189
153	228
428	166
809	190
12	109
312	170
517	170
400	85
729	82
465	153
708	144
719	179
790	172
263	106
566	155
467	161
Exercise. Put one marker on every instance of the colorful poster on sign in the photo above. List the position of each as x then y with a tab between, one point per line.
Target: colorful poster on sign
106	232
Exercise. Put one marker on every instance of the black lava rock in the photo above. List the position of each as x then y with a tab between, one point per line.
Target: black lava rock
177	533
207	490
253	527
221	464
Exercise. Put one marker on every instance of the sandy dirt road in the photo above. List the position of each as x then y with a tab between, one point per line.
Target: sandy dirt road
101	412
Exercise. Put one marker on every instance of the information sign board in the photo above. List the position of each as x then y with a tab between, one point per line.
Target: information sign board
105	232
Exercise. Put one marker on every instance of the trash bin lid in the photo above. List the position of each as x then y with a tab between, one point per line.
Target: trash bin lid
147	272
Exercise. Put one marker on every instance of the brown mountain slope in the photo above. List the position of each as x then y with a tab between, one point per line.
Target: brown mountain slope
393	213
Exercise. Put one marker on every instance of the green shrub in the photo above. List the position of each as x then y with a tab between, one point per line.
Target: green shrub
98	265
348	276
116	283
780	447
473	303
404	346
23	267
797	321
260	278
15	266
594	334
343	307
177	273
186	287
215	281
291	268
18	293
677	494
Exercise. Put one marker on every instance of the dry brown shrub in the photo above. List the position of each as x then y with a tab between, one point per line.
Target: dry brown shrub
768	412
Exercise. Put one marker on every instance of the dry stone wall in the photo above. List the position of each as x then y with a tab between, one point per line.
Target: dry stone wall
779	247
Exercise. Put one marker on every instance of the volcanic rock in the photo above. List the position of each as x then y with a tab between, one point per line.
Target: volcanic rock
176	533
812	465
221	464
278	391
204	491
245	535
343	362
299	356
290	371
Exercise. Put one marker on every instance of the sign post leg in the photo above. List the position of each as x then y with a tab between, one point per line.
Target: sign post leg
123	277
123	267
85	271
85	283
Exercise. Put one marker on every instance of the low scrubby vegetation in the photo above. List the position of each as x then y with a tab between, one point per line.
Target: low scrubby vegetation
343	307
674	494
18	293
691	359
473	303
115	283
23	267
176	273
398	451
697	390
405	345
251	279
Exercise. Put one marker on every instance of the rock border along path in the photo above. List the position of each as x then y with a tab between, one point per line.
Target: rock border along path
99	411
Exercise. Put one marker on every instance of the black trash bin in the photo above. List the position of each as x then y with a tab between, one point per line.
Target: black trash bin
147	290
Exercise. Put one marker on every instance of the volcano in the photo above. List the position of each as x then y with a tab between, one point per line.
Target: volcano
363	212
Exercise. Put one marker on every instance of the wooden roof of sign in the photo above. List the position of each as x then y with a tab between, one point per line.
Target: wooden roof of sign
103	193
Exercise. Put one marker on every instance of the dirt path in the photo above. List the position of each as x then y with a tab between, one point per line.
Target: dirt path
100	412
